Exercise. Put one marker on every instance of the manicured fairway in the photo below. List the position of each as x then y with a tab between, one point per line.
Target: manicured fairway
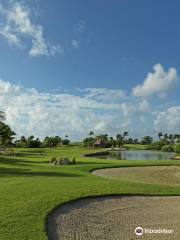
30	187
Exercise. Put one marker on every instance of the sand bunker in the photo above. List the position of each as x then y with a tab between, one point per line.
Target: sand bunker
162	175
115	218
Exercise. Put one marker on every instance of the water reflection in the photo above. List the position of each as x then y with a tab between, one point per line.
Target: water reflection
137	155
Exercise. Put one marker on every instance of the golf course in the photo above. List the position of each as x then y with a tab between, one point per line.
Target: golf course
31	188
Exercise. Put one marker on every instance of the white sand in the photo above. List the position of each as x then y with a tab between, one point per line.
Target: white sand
115	218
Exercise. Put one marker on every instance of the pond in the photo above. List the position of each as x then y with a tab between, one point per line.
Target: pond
137	155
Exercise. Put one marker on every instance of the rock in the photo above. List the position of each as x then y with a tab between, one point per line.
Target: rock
176	158
63	161
55	162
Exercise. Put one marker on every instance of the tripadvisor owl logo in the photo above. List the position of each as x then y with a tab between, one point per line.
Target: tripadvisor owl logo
139	231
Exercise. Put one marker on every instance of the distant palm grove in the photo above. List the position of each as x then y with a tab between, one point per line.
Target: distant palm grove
166	142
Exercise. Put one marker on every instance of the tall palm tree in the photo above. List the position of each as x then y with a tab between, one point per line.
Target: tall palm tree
125	134
120	140
160	134
166	136
91	133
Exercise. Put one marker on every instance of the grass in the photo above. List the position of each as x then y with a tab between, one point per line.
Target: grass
30	187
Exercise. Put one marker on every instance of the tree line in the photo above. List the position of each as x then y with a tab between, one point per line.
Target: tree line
103	140
165	141
32	142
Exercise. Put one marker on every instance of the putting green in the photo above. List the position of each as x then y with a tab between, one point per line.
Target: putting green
161	175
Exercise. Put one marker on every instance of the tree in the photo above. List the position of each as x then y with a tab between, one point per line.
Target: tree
33	143
135	141
120	140
52	141
102	139
166	135
146	140
160	134
6	136
91	133
89	142
125	134
112	142
171	138
65	141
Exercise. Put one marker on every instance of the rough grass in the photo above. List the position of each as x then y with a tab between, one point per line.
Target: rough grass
30	187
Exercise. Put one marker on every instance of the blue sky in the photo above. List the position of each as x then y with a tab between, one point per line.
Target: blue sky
75	66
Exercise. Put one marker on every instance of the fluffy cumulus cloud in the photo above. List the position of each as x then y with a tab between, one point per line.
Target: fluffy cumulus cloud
18	26
158	82
112	111
75	43
29	111
168	120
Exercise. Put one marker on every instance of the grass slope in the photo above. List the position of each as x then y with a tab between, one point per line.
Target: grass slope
30	187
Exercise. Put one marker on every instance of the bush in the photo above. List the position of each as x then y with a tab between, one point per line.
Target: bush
167	148
65	141
155	146
74	161
177	148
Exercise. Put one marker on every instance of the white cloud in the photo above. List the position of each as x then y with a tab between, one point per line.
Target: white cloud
168	120
31	112
18	26
7	87
157	82
144	106
10	36
104	94
75	43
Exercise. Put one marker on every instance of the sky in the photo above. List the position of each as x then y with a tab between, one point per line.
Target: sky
69	67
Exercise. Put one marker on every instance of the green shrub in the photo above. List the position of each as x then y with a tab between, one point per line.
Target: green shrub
74	161
155	146
177	148
167	148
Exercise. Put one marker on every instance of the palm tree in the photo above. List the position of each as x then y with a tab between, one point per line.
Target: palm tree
160	134
120	140
166	136
91	133
171	138
147	140
125	134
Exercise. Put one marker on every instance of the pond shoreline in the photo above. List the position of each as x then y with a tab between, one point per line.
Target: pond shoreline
123	154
